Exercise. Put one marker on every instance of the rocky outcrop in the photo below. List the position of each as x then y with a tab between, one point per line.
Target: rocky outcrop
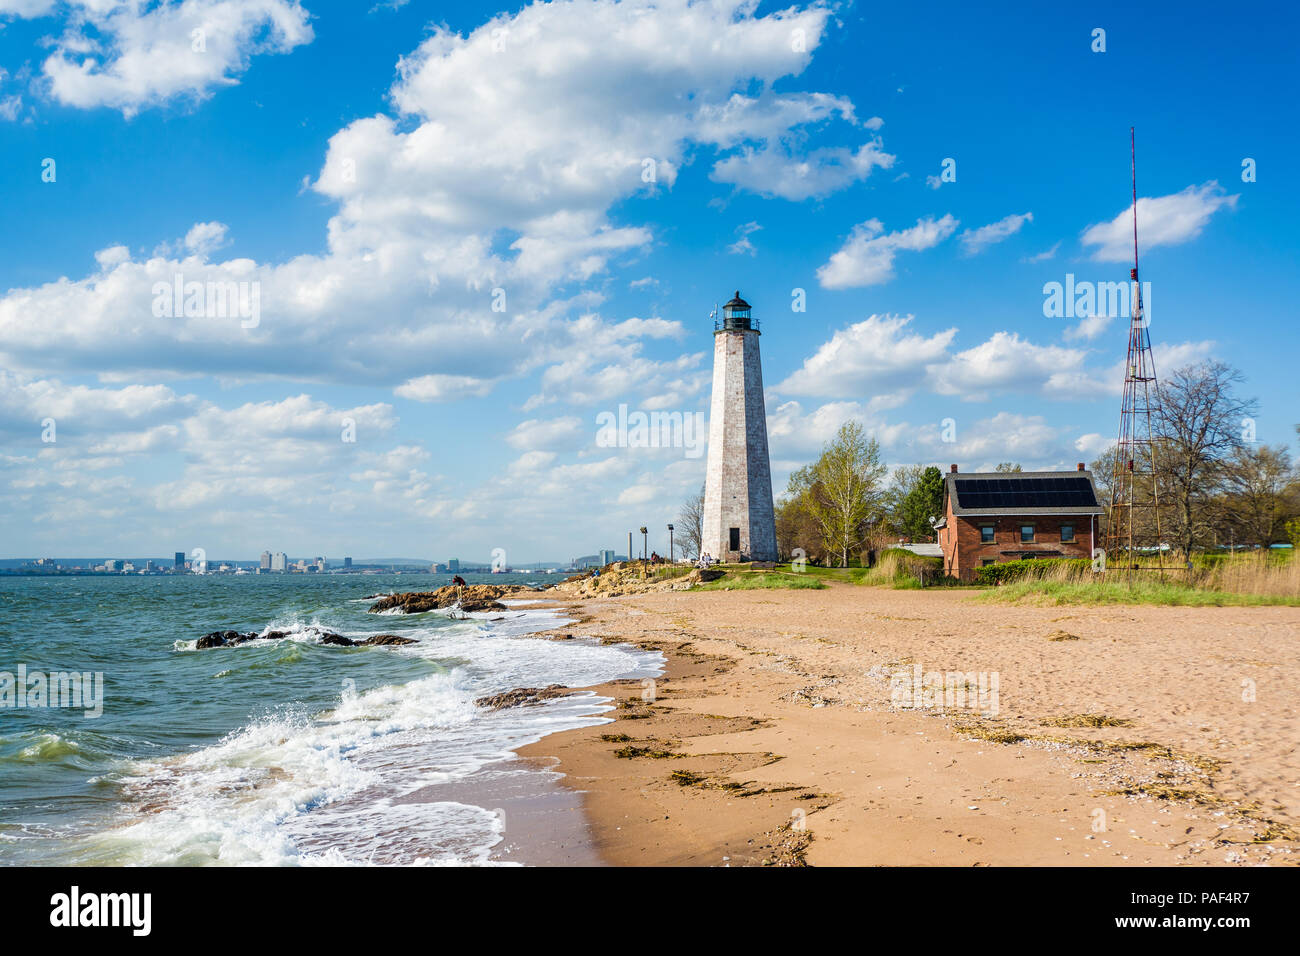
522	696
635	577
384	640
470	597
235	638
379	640
223	639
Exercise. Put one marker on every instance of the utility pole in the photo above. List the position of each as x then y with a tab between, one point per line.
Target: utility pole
670	544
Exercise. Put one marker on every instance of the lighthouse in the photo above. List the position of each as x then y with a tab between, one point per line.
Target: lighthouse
739	524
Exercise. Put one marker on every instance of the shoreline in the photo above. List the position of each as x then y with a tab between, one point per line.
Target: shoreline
772	740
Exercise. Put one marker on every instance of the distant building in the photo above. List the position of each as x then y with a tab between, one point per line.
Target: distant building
265	562
990	517
179	564
606	556
320	564
110	565
347	562
279	561
453	565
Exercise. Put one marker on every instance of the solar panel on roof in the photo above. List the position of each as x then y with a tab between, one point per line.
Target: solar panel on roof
1045	492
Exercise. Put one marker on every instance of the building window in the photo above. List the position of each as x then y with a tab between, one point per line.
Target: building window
1067	532
988	561
1026	534
986	534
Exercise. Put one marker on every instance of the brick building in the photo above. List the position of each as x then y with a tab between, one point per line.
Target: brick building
989	517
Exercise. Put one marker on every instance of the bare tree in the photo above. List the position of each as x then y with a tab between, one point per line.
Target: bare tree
690	525
1254	483
1200	425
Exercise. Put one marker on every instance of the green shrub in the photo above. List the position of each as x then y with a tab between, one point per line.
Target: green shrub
994	574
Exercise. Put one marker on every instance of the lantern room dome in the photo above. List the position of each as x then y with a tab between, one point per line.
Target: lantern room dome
735	314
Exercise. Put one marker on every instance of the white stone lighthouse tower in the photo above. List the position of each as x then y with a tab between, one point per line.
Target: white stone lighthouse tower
739	524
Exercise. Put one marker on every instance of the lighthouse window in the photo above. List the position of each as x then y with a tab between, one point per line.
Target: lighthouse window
735	539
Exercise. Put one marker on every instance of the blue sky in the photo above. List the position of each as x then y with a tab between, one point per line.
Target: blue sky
379	172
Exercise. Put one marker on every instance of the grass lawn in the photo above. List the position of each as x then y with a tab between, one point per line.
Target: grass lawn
1121	592
746	580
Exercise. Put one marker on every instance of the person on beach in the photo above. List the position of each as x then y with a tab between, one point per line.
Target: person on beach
458	581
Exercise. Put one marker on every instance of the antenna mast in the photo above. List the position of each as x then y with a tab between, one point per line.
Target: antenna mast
1133	529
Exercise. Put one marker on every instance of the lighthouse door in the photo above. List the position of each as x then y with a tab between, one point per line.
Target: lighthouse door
734	544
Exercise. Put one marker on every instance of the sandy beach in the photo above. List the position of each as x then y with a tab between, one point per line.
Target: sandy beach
779	733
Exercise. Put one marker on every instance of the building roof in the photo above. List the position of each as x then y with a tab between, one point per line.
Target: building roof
923	549
737	302
1021	493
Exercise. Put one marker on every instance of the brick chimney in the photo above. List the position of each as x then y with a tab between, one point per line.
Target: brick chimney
1080	466
953	469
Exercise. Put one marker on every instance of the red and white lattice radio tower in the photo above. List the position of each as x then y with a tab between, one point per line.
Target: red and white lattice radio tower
1133	530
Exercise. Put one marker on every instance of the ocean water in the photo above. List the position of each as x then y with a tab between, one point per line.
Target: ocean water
276	752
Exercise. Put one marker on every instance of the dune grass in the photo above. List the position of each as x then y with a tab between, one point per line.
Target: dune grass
1252	579
1119	592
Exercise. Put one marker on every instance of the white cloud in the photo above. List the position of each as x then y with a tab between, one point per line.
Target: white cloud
1093	444
26	9
497	172
1004	361
205	238
549	434
1006	436
1043	256
1162	221
743	246
976	241
1080	382
77	409
608	363
869	357
443	388
867	257
129	56
774	170
1088	328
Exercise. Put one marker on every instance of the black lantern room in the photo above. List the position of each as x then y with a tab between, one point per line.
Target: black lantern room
735	314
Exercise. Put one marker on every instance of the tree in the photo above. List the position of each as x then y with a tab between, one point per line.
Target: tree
921	501
844	491
690	525
795	525
1199	425
1007	468
1254	483
901	483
